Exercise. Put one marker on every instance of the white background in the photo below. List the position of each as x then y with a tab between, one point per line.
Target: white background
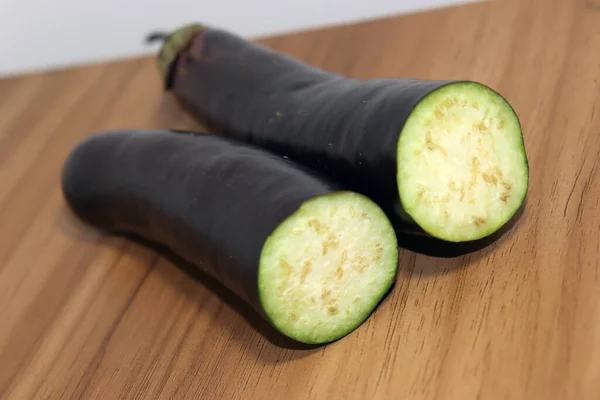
43	34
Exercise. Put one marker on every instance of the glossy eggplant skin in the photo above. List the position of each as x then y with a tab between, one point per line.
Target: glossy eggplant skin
207	199
345	128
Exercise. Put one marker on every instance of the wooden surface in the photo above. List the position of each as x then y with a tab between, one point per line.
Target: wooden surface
84	315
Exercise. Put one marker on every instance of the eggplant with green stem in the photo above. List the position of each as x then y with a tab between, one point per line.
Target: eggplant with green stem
311	257
446	158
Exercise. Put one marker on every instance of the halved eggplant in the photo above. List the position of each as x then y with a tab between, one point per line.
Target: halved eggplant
309	256
445	158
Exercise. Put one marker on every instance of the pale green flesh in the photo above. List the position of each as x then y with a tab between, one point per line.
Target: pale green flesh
326	267
462	168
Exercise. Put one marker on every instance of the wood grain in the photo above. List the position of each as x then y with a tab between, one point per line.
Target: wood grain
84	315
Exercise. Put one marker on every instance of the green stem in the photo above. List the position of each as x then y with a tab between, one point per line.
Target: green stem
172	44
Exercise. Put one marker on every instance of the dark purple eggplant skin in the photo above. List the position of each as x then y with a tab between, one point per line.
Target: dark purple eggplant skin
209	200
345	128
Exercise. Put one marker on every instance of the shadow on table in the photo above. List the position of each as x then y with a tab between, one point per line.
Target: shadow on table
232	300
75	229
423	244
448	255
438	257
229	298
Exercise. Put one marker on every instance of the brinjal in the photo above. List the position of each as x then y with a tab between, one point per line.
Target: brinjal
309	256
444	158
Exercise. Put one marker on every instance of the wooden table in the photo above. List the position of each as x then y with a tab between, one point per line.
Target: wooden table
83	315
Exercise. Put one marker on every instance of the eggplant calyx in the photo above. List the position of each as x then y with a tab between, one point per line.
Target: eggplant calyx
172	45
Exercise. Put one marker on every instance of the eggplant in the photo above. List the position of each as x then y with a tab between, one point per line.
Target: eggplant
310	257
443	158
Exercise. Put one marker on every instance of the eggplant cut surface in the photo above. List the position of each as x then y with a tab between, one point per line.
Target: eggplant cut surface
445	158
310	257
